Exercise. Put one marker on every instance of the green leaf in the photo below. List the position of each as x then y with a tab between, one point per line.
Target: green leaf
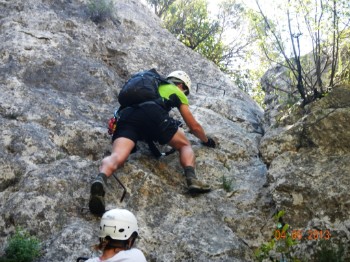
285	228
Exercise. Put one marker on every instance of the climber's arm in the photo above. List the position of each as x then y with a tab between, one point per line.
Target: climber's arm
192	123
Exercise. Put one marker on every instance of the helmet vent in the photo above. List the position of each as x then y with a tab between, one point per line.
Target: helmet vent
119	224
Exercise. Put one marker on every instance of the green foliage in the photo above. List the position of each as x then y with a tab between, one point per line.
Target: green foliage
100	10
189	21
227	184
343	70
248	80
283	38
4	259
160	6
258	95
281	243
265	44
22	247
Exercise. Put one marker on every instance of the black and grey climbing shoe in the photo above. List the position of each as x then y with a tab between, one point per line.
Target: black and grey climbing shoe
197	187
96	202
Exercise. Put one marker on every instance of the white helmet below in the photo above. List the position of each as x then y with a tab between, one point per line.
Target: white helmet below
181	75
118	224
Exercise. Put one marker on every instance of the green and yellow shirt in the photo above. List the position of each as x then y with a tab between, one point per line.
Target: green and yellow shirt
166	90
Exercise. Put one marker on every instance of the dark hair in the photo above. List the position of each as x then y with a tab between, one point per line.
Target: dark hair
109	243
179	81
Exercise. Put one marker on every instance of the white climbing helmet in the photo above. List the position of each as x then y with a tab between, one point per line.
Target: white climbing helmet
118	224
182	76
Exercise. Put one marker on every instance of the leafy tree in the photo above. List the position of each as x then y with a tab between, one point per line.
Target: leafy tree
160	6
343	69
219	37
233	32
189	21
318	20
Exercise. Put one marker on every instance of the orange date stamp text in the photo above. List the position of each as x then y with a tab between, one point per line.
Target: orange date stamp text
309	234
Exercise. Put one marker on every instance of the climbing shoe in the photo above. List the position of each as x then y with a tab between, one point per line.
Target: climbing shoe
97	193
197	187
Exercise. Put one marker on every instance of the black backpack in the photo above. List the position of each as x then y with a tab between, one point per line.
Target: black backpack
140	88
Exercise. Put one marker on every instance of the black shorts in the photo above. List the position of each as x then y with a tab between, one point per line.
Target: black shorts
147	122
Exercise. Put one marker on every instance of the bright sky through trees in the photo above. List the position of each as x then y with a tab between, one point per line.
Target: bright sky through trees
270	9
246	37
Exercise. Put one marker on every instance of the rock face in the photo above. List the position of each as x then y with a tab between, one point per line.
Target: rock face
307	151
60	76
